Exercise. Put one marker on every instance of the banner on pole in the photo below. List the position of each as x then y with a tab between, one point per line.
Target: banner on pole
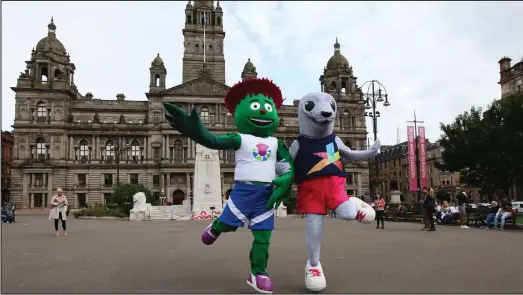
422	148
413	187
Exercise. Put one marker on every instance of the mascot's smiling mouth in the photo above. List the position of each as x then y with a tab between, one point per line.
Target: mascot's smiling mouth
260	122
322	123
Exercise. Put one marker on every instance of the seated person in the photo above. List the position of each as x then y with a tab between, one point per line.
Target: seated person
493	211
503	213
447	213
4	215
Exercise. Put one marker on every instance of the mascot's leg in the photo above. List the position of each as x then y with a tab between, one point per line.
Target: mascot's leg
354	208
348	208
259	278
314	276
213	231
261	224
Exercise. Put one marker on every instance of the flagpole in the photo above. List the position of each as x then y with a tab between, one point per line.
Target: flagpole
204	46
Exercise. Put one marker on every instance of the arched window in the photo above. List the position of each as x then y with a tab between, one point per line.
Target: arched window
231	156
157	80
44	75
178	150
343	87
84	149
210	47
41	149
196	48
135	150
189	20
219	21
41	110
109	149
204	115
346	119
333	85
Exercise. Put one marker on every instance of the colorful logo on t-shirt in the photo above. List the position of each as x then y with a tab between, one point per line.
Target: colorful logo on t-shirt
329	157
261	152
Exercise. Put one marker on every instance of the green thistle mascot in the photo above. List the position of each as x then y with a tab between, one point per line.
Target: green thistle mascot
260	158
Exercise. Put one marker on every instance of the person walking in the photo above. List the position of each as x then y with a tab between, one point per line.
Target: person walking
379	206
426	222
59	207
430	207
462	209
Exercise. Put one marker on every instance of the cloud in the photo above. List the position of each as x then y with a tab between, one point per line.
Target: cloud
437	58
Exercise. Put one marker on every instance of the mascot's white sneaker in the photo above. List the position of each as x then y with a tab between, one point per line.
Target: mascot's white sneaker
365	212
314	277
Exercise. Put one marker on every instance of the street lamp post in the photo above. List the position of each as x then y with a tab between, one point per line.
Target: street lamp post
375	94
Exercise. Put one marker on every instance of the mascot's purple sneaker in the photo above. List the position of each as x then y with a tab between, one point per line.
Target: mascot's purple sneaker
208	237
261	283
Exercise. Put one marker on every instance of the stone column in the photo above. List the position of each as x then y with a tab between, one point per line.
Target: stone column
188	189
31	200
49	186
25	196
358	183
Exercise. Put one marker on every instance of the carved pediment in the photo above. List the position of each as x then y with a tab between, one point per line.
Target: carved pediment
203	86
37	163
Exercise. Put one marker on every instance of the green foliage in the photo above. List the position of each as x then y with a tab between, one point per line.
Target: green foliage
98	210
485	147
122	196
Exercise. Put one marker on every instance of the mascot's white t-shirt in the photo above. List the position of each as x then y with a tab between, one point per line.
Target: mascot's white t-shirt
256	159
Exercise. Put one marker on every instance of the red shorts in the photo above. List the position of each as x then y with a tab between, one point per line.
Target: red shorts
318	194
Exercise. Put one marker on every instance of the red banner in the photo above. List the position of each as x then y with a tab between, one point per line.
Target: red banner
412	158
422	148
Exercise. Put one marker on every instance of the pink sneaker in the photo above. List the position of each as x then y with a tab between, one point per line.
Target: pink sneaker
261	283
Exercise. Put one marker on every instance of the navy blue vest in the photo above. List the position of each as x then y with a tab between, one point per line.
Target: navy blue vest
317	157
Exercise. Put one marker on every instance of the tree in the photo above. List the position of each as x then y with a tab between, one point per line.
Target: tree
485	147
123	196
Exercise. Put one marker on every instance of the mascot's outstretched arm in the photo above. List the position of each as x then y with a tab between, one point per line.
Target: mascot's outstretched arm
286	174
351	155
192	126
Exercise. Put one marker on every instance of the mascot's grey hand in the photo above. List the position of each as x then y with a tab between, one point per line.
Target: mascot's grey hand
376	146
282	167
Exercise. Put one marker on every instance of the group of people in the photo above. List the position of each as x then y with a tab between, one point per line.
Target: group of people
444	213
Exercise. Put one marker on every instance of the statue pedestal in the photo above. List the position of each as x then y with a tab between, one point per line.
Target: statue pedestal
281	211
395	197
137	216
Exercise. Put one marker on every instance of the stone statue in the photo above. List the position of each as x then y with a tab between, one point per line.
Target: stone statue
146	120
393	184
122	119
96	118
141	209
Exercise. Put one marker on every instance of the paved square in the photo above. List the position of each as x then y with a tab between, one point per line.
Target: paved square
104	256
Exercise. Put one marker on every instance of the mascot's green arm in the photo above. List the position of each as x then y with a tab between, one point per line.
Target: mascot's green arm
193	127
286	178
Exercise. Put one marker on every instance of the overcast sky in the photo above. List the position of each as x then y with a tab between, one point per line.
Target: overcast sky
437	58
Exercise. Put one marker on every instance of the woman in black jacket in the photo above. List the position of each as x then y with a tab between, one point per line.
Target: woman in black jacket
430	206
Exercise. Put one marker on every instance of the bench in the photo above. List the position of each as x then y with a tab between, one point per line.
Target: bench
391	214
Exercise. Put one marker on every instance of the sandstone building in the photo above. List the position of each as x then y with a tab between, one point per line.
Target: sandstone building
511	80
63	138
393	164
7	157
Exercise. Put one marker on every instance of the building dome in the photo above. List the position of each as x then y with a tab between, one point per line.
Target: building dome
249	66
51	43
158	61
337	60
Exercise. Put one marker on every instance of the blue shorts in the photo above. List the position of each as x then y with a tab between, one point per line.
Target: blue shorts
248	202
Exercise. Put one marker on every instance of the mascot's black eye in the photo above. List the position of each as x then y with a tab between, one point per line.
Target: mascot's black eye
309	105
333	105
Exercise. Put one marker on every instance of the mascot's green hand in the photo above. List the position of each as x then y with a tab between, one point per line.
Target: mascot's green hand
180	120
281	192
